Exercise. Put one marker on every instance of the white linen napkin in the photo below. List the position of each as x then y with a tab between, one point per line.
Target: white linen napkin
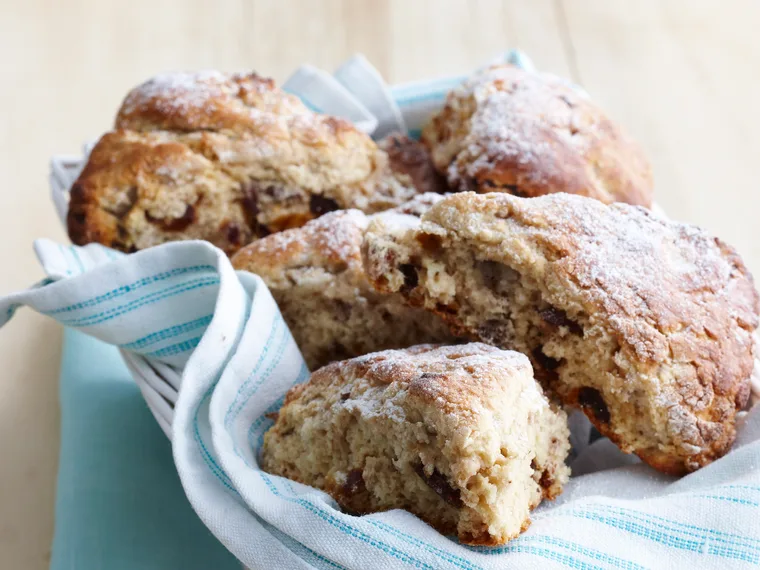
181	308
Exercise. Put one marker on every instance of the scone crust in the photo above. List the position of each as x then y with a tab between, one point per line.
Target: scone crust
680	303
206	100
332	242
529	134
141	189
430	374
226	158
412	158
447	400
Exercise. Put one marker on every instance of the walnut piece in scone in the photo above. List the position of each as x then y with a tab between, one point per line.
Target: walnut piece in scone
645	324
461	436
227	158
315	274
529	134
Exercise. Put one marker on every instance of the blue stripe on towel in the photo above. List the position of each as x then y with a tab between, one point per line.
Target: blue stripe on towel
174	349
167	333
673	538
124	289
151	298
347	529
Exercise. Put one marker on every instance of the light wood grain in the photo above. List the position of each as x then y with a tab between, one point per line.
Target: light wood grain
681	75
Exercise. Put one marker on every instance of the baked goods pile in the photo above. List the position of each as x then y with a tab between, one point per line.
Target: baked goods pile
645	324
454	295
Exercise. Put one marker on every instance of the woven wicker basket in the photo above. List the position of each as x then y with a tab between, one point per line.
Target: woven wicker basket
158	383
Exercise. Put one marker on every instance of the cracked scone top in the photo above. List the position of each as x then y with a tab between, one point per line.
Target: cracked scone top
315	274
529	134
645	323
226	158
461	436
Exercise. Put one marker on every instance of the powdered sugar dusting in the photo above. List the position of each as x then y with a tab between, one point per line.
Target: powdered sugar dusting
418	205
341	233
509	99
453	377
516	116
652	276
372	404
177	90
202	93
334	238
531	134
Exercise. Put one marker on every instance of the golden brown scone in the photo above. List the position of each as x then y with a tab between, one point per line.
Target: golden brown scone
226	158
316	276
461	436
411	157
529	134
644	323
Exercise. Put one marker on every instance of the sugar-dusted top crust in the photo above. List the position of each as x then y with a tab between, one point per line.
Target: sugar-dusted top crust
308	149
332	242
531	134
459	380
208	100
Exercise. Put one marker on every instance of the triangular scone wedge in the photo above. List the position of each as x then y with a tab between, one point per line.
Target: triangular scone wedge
462	436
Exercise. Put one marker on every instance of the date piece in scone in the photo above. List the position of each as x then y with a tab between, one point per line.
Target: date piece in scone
461	436
529	134
226	158
645	324
315	274
411	157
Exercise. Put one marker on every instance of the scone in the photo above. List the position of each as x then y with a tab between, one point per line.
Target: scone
225	158
411	157
645	324
529	134
315	274
461	436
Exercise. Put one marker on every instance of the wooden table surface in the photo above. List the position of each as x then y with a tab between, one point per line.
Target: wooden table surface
683	76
